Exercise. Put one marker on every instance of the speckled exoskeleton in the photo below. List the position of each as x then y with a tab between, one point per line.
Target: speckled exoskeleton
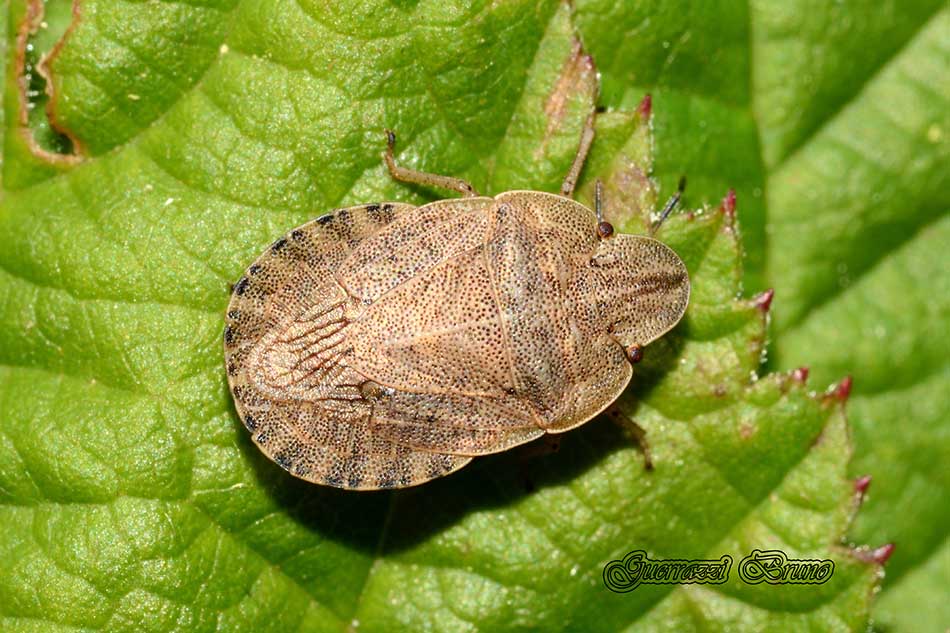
385	345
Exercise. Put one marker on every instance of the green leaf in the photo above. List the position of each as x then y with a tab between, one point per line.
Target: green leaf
858	209
838	114
133	498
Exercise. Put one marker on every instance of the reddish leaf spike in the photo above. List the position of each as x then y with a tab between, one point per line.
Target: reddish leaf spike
843	389
800	375
861	485
882	554
728	205
763	300
645	109
879	555
588	62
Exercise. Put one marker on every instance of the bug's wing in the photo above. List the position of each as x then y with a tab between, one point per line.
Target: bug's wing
303	409
456	424
285	357
644	287
414	244
304	358
310	361
440	331
432	323
433	334
289	299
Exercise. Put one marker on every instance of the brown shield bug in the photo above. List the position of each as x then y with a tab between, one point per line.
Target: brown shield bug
385	345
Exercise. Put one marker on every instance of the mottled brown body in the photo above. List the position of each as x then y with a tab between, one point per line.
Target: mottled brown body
386	345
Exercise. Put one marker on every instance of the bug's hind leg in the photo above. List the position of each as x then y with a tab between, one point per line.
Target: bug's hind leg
545	445
633	430
587	138
423	178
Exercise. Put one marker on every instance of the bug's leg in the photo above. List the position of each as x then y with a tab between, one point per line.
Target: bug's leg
669	206
634	431
587	137
545	445
604	229
423	178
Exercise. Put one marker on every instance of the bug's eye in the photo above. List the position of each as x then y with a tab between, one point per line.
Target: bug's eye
635	354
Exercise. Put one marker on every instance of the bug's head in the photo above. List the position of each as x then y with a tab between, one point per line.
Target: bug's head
643	288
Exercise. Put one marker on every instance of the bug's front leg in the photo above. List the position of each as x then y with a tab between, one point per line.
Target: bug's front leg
587	138
421	177
634	431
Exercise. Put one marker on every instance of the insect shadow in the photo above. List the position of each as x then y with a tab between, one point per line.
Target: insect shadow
386	522
405	517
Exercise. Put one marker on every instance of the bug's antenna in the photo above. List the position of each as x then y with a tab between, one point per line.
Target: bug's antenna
670	205
598	200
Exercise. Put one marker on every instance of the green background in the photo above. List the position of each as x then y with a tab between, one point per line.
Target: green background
186	136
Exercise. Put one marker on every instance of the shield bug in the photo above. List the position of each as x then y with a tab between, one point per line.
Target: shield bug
385	345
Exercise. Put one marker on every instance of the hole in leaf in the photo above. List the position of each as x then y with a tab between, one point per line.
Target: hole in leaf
47	29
